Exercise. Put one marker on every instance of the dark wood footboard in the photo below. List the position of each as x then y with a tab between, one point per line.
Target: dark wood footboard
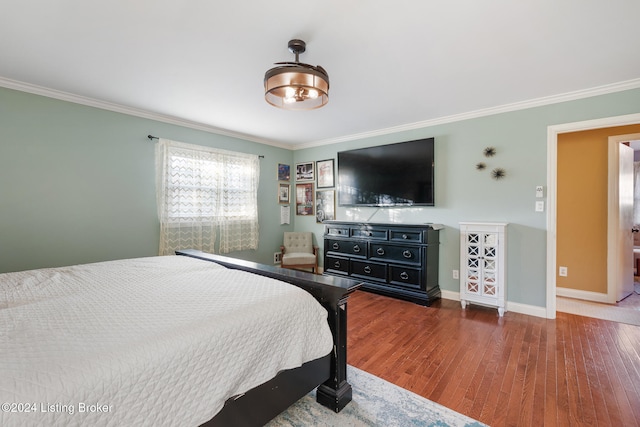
332	292
261	404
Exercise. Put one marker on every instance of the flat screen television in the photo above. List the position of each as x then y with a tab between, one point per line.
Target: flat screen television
399	174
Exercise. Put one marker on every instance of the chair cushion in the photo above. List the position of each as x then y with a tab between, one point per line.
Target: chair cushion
298	242
298	258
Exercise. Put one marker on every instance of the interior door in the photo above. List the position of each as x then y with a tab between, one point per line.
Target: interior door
625	195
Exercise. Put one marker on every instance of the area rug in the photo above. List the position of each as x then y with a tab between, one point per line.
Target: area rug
376	402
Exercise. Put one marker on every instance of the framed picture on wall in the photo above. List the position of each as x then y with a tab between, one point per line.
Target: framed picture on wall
324	171
304	171
325	205
304	199
283	193
284	172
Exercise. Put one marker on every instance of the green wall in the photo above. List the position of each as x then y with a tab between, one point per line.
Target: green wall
466	194
77	184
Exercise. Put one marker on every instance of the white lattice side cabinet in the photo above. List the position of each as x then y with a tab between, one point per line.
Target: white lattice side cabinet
483	247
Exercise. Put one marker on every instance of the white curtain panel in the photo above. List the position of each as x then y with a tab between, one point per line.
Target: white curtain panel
202	191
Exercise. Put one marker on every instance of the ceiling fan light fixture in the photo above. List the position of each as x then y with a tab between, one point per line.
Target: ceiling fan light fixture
294	85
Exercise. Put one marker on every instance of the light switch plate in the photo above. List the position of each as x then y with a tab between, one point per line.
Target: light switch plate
540	206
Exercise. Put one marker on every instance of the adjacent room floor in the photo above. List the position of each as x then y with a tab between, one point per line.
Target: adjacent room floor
625	311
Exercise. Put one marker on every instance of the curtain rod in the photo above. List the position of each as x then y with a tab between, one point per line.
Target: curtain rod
151	138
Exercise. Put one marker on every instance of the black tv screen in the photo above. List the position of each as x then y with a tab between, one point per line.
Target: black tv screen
398	174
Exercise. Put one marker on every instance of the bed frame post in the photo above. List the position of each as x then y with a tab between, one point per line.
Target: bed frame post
336	392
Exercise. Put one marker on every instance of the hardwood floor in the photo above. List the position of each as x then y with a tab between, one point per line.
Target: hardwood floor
513	371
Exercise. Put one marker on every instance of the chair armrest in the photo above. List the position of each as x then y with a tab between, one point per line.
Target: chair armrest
282	249
315	250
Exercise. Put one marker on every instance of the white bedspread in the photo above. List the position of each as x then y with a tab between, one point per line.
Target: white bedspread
150	341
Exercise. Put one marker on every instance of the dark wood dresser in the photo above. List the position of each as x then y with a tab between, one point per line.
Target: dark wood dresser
397	260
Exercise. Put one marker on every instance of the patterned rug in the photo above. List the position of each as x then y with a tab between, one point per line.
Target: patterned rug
376	402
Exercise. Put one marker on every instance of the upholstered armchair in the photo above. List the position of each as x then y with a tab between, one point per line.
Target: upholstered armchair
298	251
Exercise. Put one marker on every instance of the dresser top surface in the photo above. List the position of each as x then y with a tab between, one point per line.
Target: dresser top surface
385	224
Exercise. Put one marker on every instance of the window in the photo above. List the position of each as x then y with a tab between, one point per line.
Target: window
202	190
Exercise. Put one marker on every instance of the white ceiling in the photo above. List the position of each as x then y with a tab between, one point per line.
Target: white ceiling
392	64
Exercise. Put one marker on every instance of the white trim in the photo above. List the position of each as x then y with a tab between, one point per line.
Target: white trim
552	180
582	295
529	310
515	307
450	295
136	112
552	184
537	102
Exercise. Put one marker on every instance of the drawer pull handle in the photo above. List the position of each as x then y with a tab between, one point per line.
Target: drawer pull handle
405	237
404	275
356	248
380	251
407	254
367	269
369	233
336	246
336	264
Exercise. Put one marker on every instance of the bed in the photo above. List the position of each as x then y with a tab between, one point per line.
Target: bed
191	339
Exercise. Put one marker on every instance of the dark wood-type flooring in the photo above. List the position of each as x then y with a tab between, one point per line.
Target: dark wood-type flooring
513	371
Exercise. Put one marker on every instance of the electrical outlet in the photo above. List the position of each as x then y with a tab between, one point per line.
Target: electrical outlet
563	271
277	257
539	191
456	274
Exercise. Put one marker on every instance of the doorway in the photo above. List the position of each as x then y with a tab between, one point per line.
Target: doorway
621	206
552	173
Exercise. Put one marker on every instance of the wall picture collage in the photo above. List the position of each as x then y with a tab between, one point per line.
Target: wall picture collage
319	174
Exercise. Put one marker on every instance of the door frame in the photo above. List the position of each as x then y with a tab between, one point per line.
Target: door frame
552	183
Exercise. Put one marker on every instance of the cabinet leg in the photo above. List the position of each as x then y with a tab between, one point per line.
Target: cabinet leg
463	303
501	311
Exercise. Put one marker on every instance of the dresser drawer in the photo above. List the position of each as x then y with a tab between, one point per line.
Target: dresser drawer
336	230
348	247
369	270
370	233
405	236
396	253
406	277
336	265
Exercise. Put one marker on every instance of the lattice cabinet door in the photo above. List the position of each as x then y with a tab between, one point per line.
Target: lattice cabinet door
482	264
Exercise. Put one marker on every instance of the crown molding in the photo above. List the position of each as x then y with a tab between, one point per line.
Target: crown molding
538	102
104	105
117	108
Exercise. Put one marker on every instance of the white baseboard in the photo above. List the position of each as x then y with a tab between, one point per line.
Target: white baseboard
529	310
516	307
584	295
454	296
